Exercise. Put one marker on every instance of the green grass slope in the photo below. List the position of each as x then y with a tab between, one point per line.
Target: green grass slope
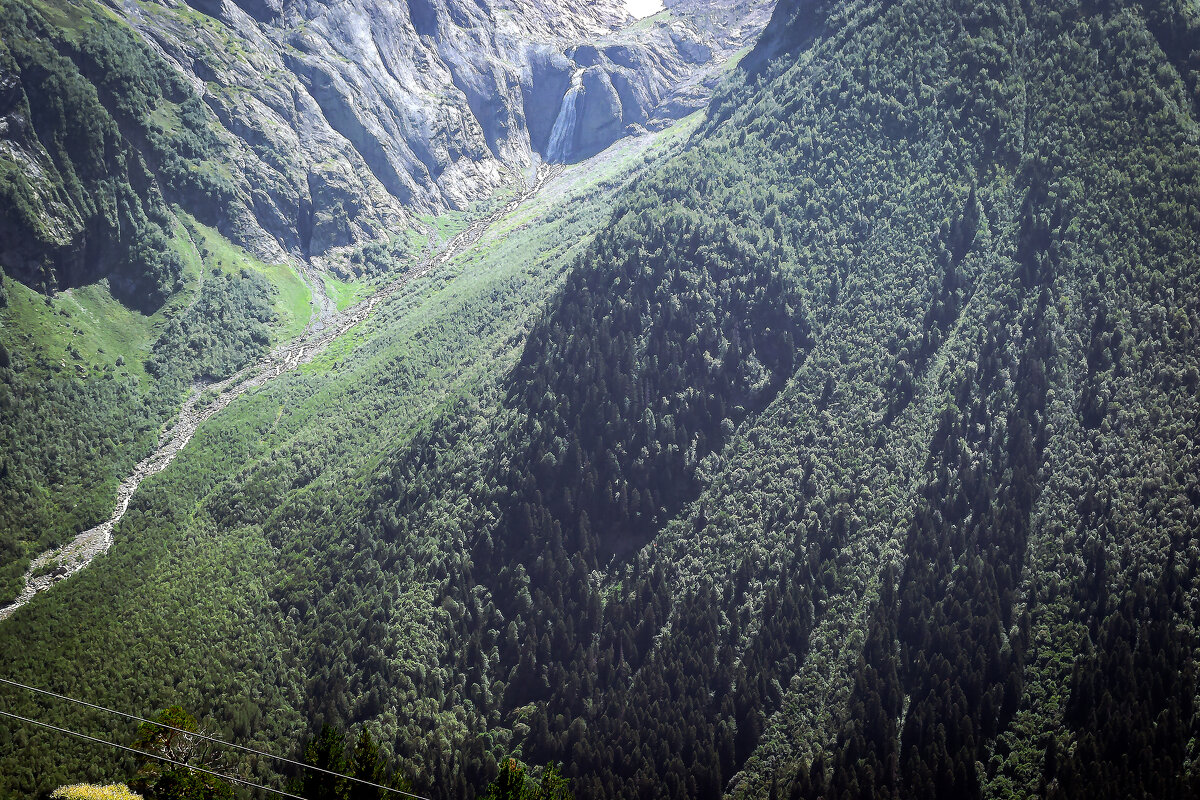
86	382
113	300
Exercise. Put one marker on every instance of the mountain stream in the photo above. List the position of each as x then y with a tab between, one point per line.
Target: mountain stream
59	563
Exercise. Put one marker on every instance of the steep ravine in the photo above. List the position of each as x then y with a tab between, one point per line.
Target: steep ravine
327	324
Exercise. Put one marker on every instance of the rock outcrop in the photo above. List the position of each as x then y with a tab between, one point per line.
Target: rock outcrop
642	75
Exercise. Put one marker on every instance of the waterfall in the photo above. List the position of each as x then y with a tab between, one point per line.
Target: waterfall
563	133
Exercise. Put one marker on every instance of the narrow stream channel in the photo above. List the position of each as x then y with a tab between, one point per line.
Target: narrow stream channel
327	325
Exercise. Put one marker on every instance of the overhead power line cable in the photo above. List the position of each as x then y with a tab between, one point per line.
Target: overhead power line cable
143	753
243	748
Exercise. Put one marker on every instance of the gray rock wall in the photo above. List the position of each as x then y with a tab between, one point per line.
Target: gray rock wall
342	118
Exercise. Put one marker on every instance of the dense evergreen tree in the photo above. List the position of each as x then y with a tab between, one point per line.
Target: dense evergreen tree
166	779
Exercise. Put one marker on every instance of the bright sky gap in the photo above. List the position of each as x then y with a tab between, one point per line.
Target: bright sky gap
643	8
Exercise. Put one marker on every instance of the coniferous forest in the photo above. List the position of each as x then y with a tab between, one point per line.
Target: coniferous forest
841	440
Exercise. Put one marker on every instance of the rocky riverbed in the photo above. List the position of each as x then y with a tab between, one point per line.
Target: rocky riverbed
61	563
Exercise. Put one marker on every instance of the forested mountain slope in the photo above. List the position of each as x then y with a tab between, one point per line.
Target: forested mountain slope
855	455
145	145
169	157
181	607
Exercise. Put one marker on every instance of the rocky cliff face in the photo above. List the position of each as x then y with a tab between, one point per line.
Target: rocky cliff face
581	98
334	120
427	104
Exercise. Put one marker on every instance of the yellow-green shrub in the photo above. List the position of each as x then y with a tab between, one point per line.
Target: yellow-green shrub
90	791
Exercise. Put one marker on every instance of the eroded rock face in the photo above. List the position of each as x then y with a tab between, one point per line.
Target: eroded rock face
646	74
340	119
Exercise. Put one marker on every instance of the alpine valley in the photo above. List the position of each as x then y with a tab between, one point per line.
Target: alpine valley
556	398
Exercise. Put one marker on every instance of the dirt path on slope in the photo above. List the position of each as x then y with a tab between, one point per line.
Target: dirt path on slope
55	565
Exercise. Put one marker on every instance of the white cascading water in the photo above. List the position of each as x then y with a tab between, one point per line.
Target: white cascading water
563	133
